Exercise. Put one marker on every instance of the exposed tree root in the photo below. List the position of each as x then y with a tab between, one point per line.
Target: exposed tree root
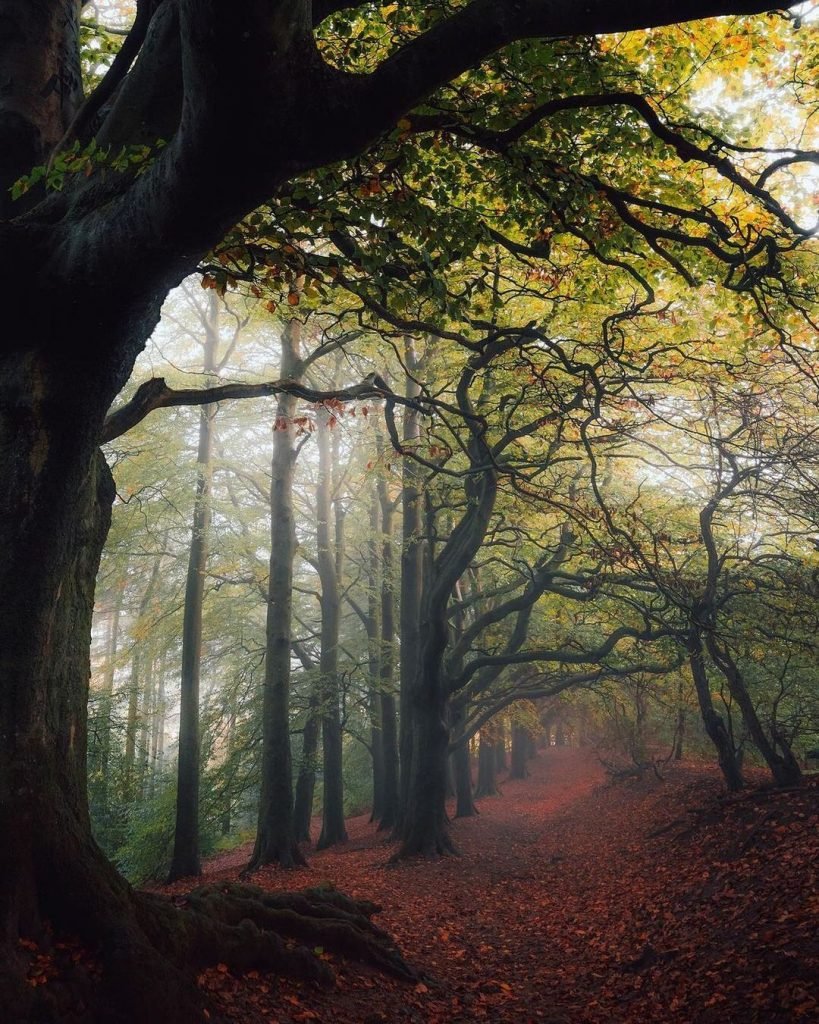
314	917
149	951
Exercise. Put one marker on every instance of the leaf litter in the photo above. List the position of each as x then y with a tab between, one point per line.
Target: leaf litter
644	902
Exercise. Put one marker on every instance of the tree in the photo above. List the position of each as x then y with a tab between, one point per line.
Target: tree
171	149
186	836
333	830
275	836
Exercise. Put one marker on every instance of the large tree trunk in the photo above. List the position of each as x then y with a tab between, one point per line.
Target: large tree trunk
55	503
520	750
425	830
424	827
275	837
487	762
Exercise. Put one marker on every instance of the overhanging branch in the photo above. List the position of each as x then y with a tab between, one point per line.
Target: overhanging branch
156	394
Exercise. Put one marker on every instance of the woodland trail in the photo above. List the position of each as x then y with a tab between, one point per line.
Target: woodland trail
658	902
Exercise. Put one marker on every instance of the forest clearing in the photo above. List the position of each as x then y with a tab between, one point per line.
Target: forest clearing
575	899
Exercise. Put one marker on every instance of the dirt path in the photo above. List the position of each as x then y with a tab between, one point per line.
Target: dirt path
565	906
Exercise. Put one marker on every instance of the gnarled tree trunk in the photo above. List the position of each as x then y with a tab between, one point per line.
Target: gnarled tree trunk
55	504
712	720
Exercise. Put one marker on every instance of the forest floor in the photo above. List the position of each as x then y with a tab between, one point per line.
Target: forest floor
648	901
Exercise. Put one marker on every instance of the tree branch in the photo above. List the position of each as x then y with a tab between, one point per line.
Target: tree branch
156	394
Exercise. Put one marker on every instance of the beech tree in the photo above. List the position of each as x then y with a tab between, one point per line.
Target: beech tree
106	202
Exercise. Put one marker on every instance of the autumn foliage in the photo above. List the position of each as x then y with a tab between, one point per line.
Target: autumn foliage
575	899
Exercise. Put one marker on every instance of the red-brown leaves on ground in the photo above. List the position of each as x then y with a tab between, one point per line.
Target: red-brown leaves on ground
648	902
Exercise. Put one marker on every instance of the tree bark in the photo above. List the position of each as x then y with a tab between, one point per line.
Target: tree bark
55	504
389	735
185	860
500	748
372	625
275	836
520	749
306	779
146	711
487	763
679	727
411	578
782	764
714	725
333	829
424	828
462	766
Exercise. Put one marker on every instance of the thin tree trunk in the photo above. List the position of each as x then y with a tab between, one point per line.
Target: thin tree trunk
500	748
103	717
158	730
333	829
275	836
679	729
389	736
135	687
306	779
226	817
185	860
372	626
462	766
411	579
146	712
